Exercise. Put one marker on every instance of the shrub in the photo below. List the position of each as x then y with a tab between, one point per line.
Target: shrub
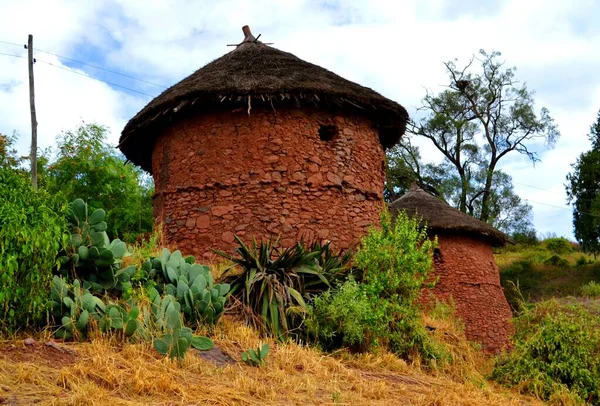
591	289
526	238
558	246
31	231
396	260
556	348
557	261
340	317
275	283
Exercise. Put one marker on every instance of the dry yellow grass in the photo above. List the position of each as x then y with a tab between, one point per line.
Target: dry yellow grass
104	372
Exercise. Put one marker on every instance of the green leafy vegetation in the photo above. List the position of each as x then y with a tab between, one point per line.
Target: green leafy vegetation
583	191
541	274
275	283
396	261
191	284
90	255
87	167
31	232
558	246
256	357
591	289
340	317
556	351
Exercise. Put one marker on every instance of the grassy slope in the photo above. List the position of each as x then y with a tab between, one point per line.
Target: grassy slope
103	373
540	281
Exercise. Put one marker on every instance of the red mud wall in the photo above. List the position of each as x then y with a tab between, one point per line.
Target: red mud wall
467	271
266	174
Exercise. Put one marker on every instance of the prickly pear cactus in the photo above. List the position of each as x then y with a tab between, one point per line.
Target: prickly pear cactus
177	339
192	285
90	255
74	307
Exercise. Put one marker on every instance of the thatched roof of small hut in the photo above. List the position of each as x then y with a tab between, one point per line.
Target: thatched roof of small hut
440	216
252	74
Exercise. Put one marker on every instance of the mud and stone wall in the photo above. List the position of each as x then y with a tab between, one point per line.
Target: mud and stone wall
468	273
292	173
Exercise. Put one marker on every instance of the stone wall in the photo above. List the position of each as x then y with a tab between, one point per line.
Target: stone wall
267	174
467	272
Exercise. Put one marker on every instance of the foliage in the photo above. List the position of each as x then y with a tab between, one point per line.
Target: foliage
31	231
79	310
90	255
340	317
177	339
507	211
525	238
397	261
591	289
480	119
275	283
191	284
256	357
9	157
582	261
583	191
556	347
558	245
556	260
87	167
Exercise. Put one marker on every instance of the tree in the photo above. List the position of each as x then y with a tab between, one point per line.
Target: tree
507	211
8	152
87	167
583	190
478	120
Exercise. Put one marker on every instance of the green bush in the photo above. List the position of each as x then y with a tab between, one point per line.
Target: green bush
340	317
396	260
556	260
31	231
556	348
525	238
558	246
591	289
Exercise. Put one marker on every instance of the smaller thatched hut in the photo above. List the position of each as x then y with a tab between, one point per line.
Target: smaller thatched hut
465	266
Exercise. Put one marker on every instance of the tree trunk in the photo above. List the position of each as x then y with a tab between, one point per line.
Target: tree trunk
485	201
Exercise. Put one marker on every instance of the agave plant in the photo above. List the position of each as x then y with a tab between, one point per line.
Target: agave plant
275	283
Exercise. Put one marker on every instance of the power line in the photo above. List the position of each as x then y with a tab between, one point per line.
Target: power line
562	208
16	56
11	43
101	68
91	77
538	188
89	64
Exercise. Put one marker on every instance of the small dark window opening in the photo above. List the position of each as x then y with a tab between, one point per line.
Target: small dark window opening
327	132
437	255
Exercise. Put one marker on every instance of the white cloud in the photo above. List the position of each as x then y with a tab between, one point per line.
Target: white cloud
397	48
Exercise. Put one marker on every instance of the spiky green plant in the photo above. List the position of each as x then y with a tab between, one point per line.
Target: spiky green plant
275	283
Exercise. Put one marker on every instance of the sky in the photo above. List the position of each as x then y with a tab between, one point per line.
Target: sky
394	47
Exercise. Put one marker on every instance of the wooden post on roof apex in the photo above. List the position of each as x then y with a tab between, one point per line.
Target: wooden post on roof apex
248	37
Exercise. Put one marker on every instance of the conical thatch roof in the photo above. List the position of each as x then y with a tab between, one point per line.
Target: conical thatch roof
440	216
253	74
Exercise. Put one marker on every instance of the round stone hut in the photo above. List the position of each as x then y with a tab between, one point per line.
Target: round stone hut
260	143
465	266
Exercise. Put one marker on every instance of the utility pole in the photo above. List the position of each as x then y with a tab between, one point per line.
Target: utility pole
33	155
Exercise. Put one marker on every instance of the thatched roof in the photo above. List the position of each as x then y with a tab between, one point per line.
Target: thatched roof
440	216
253	74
